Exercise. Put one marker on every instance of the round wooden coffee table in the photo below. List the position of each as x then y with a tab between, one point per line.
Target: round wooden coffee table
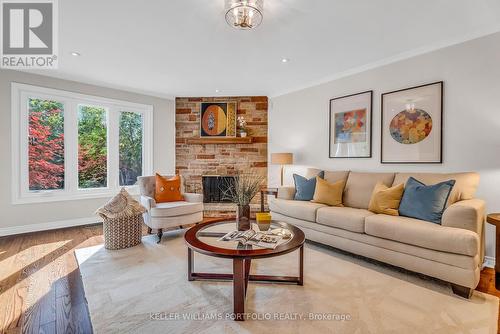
203	238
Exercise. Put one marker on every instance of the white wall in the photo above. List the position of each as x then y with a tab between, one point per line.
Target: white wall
298	122
18	218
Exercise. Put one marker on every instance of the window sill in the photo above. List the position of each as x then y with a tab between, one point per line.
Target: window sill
80	195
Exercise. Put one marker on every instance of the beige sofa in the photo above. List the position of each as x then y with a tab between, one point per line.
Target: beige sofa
452	251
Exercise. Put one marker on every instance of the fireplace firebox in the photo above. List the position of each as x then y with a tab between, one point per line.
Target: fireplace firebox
214	187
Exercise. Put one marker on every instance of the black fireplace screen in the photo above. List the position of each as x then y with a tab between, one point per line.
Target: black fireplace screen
214	187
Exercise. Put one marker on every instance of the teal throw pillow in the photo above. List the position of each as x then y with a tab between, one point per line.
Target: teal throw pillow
304	188
425	202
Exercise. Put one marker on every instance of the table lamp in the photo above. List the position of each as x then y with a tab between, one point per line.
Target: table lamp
282	159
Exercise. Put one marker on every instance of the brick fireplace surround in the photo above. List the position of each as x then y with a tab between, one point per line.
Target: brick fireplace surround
192	161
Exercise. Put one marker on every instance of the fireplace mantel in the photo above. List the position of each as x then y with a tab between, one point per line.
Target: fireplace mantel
220	140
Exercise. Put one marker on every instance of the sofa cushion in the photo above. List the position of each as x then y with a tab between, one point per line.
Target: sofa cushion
168	189
304	187
295	209
172	209
420	233
465	186
328	193
330	176
426	202
286	192
147	184
350	219
359	187
386	200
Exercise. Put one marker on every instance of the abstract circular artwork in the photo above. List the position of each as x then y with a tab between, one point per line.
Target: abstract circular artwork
411	126
214	120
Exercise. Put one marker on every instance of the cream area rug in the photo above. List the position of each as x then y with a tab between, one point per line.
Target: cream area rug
144	289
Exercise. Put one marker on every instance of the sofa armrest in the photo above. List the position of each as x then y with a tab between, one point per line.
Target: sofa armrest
468	214
286	192
193	198
148	202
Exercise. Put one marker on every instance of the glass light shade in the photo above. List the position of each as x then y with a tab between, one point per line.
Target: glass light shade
244	14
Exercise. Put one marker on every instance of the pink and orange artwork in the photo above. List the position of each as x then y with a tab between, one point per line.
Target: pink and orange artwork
350	127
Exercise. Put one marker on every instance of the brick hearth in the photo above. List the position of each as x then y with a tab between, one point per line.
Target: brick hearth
195	160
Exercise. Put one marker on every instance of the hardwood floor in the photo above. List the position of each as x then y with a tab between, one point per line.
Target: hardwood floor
41	289
40	286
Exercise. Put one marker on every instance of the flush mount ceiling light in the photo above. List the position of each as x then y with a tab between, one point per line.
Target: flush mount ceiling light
244	14
76	54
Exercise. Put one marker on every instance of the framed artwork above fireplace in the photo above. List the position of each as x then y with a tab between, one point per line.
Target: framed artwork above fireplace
218	119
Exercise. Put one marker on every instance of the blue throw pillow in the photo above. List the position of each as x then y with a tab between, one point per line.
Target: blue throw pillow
304	188
425	202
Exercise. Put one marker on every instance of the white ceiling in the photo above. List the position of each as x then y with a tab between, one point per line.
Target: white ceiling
185	48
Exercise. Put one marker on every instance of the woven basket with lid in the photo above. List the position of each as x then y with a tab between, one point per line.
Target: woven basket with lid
123	221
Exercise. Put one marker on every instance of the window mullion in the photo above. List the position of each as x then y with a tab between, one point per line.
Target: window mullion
24	146
113	148
71	147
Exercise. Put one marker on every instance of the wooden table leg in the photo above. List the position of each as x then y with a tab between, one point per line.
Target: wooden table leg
301	265
239	289
248	262
190	264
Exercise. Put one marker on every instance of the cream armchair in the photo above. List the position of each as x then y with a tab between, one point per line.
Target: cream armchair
161	216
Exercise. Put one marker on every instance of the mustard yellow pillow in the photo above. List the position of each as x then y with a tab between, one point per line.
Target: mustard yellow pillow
328	193
386	200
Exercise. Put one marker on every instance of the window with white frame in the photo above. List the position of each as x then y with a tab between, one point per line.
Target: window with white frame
68	146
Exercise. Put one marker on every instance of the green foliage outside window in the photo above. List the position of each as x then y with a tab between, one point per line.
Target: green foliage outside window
92	147
130	147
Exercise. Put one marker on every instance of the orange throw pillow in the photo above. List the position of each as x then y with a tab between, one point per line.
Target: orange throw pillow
168	189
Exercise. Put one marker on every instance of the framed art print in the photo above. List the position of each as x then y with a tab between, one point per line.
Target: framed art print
350	126
412	125
218	119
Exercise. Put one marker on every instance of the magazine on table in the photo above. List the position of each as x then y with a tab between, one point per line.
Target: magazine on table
251	237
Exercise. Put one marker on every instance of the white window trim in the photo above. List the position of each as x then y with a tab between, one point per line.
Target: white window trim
71	100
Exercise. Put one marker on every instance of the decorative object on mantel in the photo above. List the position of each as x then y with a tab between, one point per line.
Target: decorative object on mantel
241	192
242	126
122	216
218	119
282	159
244	14
412	125
351	126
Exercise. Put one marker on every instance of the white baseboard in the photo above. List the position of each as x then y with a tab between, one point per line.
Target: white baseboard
4	231
489	261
